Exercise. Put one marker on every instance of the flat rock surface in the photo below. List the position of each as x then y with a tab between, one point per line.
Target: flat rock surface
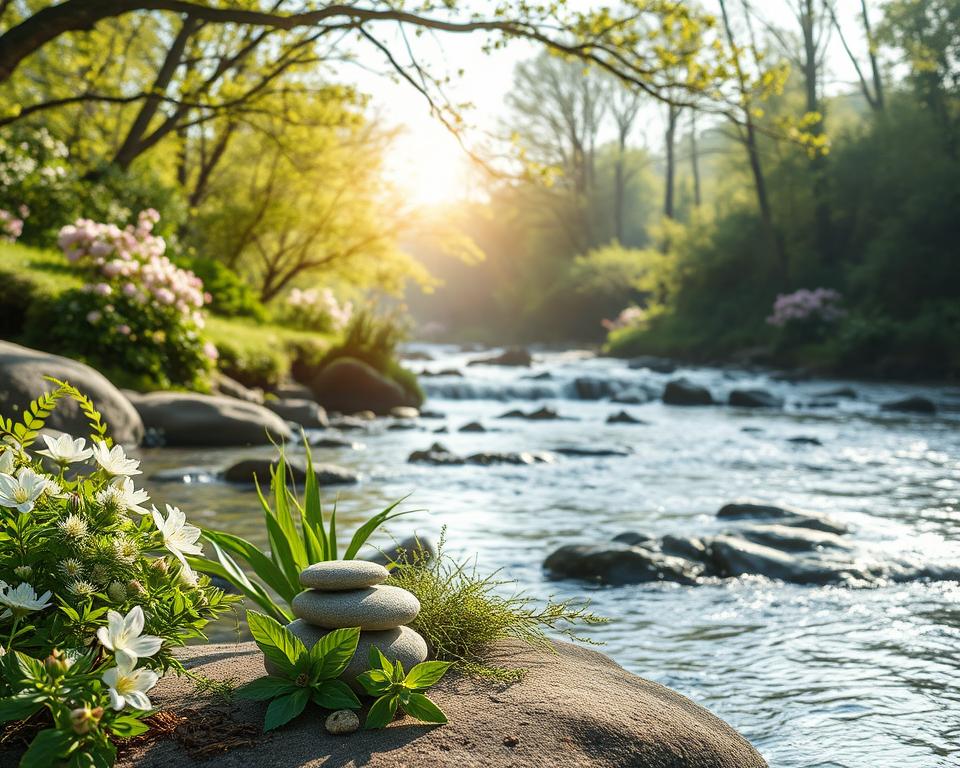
378	607
337	575
575	708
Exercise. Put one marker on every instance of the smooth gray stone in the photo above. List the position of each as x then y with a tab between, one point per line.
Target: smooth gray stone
339	575
398	644
376	607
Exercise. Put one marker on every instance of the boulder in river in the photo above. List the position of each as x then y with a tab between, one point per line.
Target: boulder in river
244	471
845	393
191	419
622	417
224	385
437	454
593	388
307	413
404	412
804	440
348	386
544	413
21	380
685	392
754	398
473	426
619	564
734	556
790	538
587	711
514	357
632	396
914	404
751	510
293	390
577	451
651	363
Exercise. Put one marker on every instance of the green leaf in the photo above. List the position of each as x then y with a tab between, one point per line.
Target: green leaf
46	749
379	661
20	707
281	495
332	535
281	711
425	674
382	712
127	726
262	565
280	551
420	707
335	694
364	531
333	652
376	682
277	643
314	536
264	688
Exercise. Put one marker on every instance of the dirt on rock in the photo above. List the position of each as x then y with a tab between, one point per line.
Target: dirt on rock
574	707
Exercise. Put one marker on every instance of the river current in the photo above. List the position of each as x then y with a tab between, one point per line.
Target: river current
815	677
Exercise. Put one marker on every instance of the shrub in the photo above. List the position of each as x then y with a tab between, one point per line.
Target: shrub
96	588
231	295
139	316
314	310
462	614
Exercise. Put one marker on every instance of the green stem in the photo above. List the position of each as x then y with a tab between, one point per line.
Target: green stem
13	631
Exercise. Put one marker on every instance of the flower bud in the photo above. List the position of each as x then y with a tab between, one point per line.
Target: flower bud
117	592
134	587
23	571
83	718
160	565
56	663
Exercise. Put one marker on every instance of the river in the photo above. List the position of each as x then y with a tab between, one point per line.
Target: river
826	677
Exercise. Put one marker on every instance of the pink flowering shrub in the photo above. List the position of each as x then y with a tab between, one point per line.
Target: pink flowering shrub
11	225
627	318
315	310
139	314
820	304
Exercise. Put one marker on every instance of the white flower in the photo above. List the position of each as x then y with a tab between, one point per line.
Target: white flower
122	496
122	636
128	685
22	599
81	588
65	450
74	527
178	536
114	461
71	568
7	461
22	491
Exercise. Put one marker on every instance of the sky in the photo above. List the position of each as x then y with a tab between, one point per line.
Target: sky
430	167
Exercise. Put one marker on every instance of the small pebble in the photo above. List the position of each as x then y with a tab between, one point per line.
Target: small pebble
342	721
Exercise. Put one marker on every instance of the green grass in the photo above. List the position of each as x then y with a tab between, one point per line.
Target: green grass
462	614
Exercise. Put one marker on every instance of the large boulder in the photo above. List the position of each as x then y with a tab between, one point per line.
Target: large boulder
618	564
754	398
651	363
244	471
914	404
734	556
685	392
21	381
190	419
752	510
349	386
575	708
224	385
306	413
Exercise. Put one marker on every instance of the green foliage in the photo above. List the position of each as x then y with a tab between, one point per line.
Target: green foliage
373	339
395	690
232	295
96	594
463	613
299	533
304	675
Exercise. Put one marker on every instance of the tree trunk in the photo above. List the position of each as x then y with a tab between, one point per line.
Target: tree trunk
695	160
874	64
821	210
671	171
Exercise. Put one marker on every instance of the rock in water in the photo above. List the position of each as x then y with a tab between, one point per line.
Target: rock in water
404	412
399	644
412	549
21	381
754	398
342	722
337	575
619	564
515	356
473	426
306	413
327	474
791	538
751	510
377	607
349	386
190	419
622	417
685	392
914	404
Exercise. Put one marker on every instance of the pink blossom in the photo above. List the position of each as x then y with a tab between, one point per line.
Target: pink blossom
803	304
210	350
123	329
94	317
627	317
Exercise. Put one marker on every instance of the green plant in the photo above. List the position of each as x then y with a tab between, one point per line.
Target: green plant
395	689
95	588
462	613
232	295
303	675
298	535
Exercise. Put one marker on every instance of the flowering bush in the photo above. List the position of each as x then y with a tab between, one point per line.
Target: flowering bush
315	310
139	313
11	226
627	318
95	589
820	304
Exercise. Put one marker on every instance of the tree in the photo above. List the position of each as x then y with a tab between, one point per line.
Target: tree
874	95
623	105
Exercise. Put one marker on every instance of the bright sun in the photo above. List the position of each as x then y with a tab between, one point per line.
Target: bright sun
427	165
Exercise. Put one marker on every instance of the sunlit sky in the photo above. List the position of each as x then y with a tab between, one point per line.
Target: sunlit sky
428	165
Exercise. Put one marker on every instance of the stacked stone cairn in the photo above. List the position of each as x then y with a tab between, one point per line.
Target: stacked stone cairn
351	593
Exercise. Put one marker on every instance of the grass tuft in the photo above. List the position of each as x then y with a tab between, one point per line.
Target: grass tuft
462	614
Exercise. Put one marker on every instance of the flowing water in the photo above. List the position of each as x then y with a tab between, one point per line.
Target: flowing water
813	676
